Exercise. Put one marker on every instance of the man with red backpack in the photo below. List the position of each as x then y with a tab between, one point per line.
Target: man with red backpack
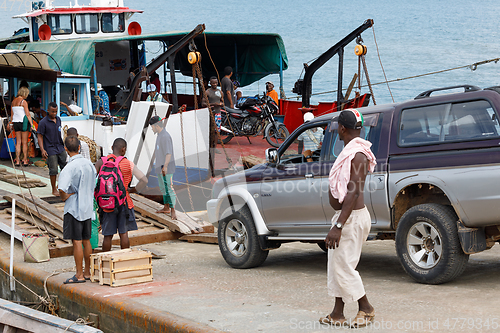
115	174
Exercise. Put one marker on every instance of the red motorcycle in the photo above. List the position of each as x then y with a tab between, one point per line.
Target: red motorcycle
253	116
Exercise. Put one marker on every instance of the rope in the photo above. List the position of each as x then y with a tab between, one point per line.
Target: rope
194	88
472	67
229	122
43	300
368	78
51	240
79	321
196	129
380	60
205	97
181	110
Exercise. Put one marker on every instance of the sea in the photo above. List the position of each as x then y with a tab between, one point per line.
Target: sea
413	38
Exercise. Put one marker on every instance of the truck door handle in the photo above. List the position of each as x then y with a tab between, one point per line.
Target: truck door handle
309	175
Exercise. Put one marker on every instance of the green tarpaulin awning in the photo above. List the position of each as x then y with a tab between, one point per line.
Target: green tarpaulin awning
252	55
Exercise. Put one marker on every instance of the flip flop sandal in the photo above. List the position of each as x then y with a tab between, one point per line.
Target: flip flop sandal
328	320
73	279
86	279
362	319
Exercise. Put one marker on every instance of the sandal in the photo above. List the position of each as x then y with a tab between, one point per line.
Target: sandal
73	279
362	319
328	320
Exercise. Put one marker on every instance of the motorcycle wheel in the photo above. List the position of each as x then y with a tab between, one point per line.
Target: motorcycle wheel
224	136
276	136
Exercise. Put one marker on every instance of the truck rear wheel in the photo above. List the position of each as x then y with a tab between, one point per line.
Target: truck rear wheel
428	246
238	240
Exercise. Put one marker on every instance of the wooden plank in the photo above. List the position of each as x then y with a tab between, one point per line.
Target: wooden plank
5	226
36	222
125	282
154	206
12	179
46	206
150	220
149	237
41	213
55	250
171	224
194	222
202	238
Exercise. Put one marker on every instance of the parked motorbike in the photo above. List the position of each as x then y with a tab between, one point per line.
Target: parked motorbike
253	116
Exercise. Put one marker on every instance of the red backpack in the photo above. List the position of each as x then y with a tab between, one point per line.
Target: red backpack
110	192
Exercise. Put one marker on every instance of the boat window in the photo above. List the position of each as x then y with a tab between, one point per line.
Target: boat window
60	24
86	23
468	121
113	22
70	96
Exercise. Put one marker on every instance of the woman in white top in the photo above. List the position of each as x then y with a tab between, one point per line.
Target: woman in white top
22	124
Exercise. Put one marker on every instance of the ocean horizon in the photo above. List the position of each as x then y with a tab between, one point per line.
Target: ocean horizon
413	38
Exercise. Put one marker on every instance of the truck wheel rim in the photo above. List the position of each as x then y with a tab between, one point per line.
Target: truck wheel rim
424	245
236	238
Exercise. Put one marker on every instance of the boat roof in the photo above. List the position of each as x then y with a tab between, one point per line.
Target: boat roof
32	65
78	10
253	56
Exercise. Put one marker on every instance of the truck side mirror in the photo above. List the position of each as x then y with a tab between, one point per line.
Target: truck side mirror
272	155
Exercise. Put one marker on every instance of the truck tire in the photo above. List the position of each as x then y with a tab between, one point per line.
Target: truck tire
238	240
428	246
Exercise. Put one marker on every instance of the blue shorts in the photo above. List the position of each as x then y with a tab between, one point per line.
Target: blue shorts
121	221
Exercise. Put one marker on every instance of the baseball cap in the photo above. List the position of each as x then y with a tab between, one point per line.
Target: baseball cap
270	82
154	120
150	88
308	116
351	118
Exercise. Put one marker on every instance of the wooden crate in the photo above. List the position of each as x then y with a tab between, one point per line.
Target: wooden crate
122	267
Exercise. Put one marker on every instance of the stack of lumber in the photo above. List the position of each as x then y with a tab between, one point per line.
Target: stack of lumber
34	215
184	223
20	179
42	218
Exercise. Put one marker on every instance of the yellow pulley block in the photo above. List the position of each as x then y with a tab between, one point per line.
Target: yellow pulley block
360	50
194	57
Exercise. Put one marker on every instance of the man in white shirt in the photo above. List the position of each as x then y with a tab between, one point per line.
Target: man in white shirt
84	147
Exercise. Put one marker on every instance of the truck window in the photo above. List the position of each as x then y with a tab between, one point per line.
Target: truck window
306	143
370	132
448	123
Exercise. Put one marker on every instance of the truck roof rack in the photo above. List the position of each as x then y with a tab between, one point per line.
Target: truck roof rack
467	88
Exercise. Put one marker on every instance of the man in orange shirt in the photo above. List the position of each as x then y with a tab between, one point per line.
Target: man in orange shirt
123	220
271	92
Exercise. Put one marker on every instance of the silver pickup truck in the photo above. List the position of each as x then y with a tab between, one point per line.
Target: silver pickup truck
435	189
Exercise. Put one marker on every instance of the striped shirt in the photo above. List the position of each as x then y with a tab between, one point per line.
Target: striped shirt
126	167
